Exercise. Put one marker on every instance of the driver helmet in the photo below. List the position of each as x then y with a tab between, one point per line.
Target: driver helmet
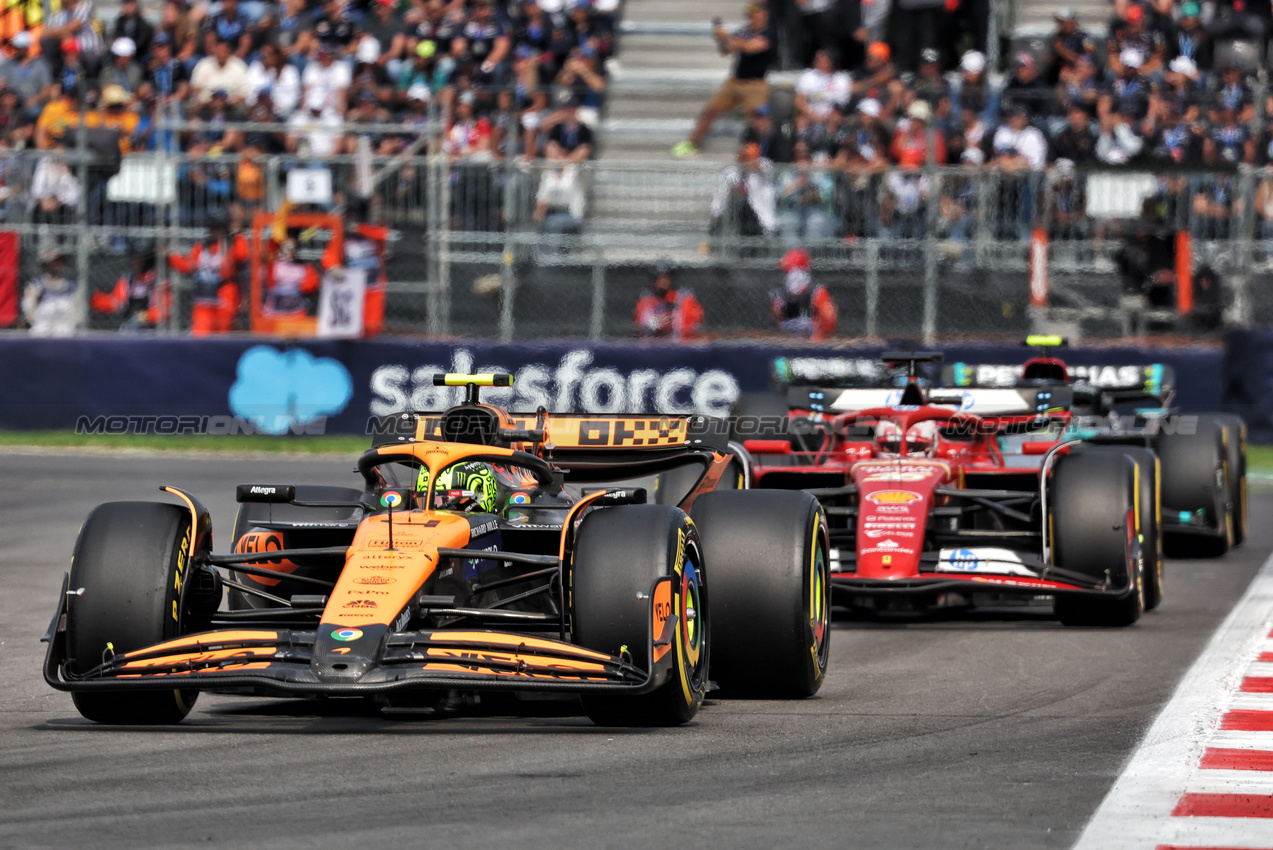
494	487
921	439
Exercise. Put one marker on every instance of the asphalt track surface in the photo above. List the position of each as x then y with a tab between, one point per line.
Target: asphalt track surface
1001	731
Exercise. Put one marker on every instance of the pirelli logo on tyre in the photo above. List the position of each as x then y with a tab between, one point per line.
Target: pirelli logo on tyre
893	497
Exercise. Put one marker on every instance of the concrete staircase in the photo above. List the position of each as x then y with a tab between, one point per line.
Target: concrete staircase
667	67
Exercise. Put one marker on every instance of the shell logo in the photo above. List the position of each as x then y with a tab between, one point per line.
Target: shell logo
893	497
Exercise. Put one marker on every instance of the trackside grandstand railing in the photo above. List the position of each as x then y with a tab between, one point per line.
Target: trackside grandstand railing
516	249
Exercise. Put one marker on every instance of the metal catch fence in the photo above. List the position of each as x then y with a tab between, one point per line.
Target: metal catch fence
518	249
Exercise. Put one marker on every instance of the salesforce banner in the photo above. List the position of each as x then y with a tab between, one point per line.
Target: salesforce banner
240	385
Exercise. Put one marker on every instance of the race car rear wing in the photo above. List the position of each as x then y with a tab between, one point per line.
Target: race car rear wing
1025	401
1155	381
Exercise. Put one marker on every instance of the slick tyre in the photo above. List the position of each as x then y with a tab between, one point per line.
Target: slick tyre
1093	522
1196	481
252	512
771	601
1235	455
1149	527
131	560
619	555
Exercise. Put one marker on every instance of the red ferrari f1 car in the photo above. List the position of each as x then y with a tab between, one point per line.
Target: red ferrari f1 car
926	505
482	553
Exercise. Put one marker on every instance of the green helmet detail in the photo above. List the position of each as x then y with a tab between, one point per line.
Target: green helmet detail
473	476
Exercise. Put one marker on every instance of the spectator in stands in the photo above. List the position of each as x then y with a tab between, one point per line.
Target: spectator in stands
1190	39
754	49
1067	216
967	143
582	76
1027	87
55	190
48	302
568	137
468	135
559	203
73	23
274	76
666	311
931	87
1077	142
1019	146
1229	142
122	70
972	89
220	70
117	114
327	78
1177	141
805	197
17	129
862	154
59	116
822	89
1069	44
910	147
744	202
28	75
228	26
1078	87
132	24
801	307
1130	92
166	74
176	22
1181	88
315	131
1234	93
879	77
489	44
775	145
387	30
1136	33
1120	141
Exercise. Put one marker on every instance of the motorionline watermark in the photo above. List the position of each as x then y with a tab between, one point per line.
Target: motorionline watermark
212	425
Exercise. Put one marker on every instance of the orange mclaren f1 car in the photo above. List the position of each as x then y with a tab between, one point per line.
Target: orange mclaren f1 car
484	552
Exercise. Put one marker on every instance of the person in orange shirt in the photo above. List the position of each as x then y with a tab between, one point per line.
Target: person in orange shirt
58	117
801	307
214	265
667	312
139	298
115	114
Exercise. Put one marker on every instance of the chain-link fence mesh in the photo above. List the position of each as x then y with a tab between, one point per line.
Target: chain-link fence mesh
516	249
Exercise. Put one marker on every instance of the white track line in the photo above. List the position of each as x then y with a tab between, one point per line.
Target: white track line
1137	811
1230	782
1214	832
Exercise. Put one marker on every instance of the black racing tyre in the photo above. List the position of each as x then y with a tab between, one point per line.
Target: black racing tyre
1235	453
771	594
131	560
252	512
619	554
1150	526
1094	533
1195	480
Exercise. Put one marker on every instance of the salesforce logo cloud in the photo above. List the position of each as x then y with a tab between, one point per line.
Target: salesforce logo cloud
278	391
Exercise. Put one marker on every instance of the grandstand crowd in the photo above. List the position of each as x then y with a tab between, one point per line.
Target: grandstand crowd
1160	91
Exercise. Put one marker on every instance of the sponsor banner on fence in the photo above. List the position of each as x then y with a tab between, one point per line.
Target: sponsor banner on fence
236	385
